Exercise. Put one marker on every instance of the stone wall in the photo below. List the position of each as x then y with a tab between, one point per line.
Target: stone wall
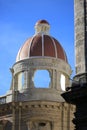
40	115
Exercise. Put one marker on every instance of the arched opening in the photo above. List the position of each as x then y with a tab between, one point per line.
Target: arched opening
8	126
24	125
39	125
42	79
21	80
1	126
62	82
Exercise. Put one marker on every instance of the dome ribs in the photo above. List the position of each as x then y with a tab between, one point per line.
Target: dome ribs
60	51
23	52
36	46
41	44
48	47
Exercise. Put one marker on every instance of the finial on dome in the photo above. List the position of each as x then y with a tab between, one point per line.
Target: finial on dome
42	26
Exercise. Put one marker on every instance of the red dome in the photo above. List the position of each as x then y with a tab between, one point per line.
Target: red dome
43	46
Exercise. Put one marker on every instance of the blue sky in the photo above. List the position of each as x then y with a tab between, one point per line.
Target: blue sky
17	20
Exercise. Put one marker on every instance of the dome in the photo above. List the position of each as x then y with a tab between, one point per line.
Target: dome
41	44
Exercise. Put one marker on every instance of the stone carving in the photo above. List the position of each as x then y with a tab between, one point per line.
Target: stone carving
39	125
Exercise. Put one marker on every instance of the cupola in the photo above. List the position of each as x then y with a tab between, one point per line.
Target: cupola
41	44
41	59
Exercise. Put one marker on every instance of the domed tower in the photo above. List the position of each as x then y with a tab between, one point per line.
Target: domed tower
40	74
43	54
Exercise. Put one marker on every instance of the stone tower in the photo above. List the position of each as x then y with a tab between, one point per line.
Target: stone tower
77	94
29	106
81	39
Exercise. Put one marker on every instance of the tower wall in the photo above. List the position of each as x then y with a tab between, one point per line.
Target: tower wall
55	67
77	95
80	7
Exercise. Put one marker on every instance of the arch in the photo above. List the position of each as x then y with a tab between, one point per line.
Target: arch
39	125
21	80
62	81
8	126
24	125
42	78
1	125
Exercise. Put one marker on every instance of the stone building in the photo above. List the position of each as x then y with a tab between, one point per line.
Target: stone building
29	106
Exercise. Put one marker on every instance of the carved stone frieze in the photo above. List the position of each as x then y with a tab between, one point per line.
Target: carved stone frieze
45	63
